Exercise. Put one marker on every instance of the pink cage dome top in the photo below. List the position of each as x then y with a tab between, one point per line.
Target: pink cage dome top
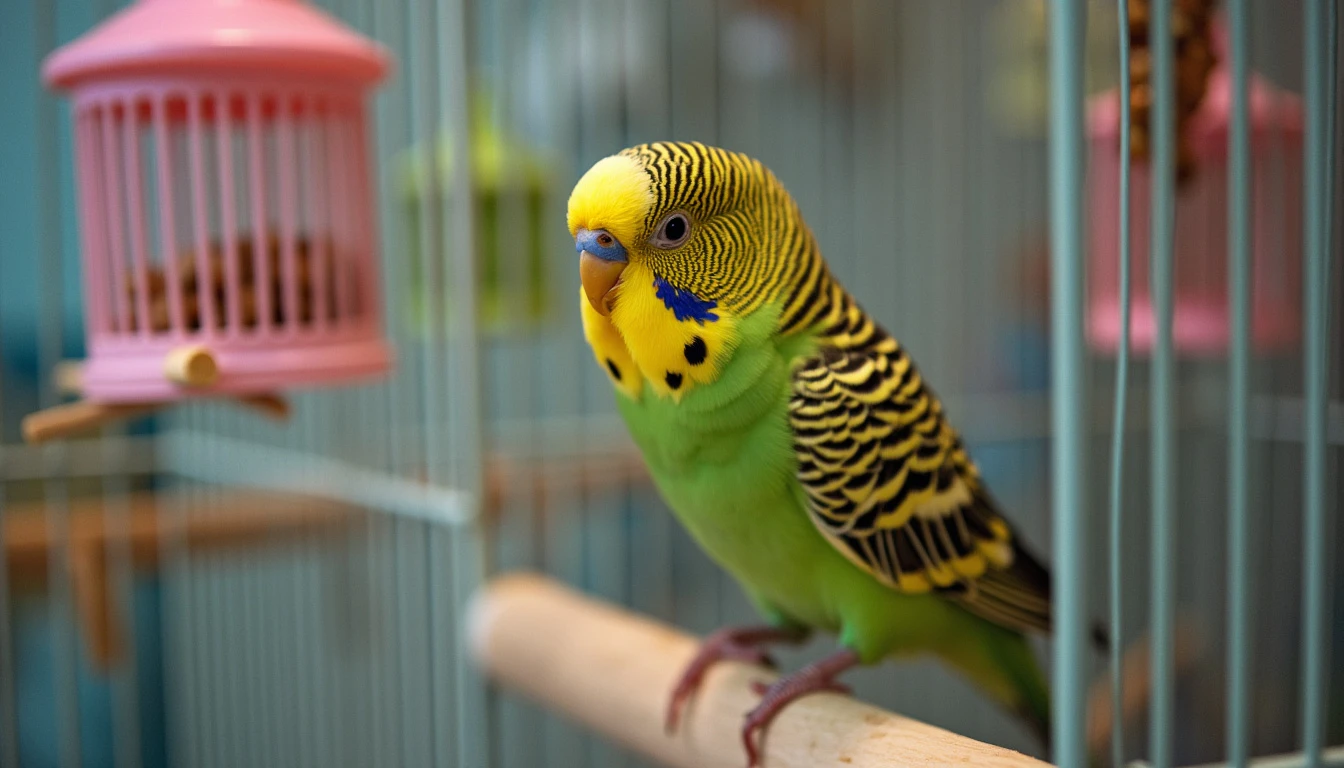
203	36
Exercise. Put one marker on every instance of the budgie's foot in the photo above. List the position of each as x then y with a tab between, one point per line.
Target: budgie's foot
817	677
731	644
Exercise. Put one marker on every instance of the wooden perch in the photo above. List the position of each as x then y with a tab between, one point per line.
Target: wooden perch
612	671
509	479
82	416
78	417
191	366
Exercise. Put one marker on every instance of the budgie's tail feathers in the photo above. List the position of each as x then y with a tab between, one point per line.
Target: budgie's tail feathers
1101	636
1017	597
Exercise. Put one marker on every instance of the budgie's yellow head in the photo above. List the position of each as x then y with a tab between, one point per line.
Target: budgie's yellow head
695	216
678	243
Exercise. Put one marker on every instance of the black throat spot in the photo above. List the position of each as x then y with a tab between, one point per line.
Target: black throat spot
696	351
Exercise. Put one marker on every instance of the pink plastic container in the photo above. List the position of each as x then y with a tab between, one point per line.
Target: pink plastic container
224	197
1200	324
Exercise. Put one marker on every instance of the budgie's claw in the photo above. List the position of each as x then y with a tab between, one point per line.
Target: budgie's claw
817	677
731	644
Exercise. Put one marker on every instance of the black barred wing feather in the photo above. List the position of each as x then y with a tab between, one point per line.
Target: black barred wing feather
888	482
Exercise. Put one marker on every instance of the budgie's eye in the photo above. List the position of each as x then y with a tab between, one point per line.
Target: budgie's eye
672	232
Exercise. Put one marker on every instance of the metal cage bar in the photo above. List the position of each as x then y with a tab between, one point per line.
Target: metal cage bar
9	713
1319	51
1117	476
1239	560
1068	382
1162	411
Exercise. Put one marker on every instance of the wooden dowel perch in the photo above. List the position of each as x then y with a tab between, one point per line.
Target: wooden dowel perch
612	671
79	417
83	416
190	366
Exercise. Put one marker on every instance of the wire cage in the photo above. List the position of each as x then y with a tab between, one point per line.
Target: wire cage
225	204
208	589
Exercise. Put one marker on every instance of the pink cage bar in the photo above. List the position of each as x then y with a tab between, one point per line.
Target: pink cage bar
1202	311
224	197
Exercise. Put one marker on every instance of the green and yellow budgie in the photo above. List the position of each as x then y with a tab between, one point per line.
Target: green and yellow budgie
792	436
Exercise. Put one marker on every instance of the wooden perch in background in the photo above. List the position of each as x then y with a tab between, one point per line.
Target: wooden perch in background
190	366
219	522
83	416
509	479
612	671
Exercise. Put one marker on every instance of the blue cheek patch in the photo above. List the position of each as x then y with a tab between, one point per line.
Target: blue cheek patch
684	304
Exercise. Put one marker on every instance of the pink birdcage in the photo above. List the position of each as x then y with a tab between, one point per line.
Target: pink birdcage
229	241
1202	311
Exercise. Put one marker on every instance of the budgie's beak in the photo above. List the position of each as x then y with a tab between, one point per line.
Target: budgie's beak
601	260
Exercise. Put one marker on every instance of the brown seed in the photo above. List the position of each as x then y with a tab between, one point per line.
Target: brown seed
1138	144
153	277
191	311
221	311
1138	13
248	304
218	272
218	287
305	308
1141	96
159	317
247	265
1140	65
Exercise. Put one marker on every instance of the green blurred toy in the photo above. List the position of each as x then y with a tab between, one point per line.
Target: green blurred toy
511	178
